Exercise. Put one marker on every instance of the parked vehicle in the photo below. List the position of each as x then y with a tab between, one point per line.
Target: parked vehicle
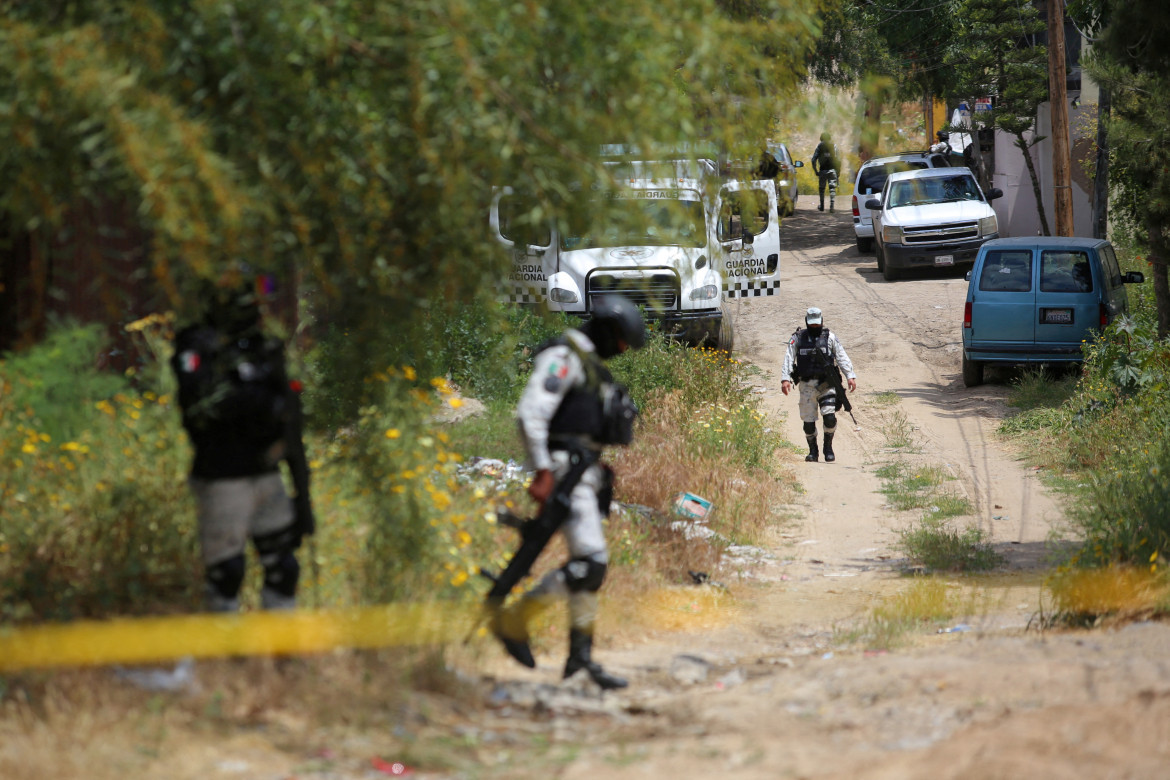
1035	300
871	178
786	179
930	218
680	238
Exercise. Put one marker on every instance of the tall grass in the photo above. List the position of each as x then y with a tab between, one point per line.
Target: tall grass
96	519
1107	440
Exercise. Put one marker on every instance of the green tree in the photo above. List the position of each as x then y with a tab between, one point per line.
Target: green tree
1001	59
1132	60
354	144
891	50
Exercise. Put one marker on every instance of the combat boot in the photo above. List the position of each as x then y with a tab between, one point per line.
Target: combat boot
813	452
829	456
511	627
580	657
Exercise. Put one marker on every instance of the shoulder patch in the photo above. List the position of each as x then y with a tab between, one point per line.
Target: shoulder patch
558	369
552	383
189	361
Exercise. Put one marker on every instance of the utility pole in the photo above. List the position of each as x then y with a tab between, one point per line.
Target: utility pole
1058	97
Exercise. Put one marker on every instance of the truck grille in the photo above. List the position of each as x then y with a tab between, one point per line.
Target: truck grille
655	291
953	231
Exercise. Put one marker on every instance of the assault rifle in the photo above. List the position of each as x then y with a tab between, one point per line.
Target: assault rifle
536	532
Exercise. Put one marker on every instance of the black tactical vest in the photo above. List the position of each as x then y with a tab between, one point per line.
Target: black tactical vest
600	409
814	356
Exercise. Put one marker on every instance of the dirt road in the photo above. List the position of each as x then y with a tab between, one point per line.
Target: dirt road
783	692
789	676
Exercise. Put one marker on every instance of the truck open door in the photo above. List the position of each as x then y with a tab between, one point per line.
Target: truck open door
748	233
532	245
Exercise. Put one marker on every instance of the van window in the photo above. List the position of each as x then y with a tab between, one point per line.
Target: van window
1007	270
874	177
516	222
1112	269
743	211
1062	271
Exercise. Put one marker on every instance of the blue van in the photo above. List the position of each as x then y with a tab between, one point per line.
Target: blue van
1034	300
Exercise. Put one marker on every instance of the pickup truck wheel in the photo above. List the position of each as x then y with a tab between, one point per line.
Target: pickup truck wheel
972	372
864	245
888	273
726	340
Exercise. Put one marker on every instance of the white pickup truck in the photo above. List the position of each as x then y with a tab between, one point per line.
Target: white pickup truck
680	240
936	217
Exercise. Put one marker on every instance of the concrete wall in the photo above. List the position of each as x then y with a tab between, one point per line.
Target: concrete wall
1017	208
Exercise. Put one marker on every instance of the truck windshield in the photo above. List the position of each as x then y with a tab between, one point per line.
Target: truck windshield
640	221
920	191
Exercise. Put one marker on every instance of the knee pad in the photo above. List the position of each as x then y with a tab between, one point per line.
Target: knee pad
830	423
584	574
810	429
281	568
225	578
281	574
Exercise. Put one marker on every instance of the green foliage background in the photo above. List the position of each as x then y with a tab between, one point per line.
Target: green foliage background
354	145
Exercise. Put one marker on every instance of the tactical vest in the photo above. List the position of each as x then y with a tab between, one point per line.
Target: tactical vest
599	409
814	356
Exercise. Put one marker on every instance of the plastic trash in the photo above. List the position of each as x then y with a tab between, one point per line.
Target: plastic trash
955	629
690	505
182	677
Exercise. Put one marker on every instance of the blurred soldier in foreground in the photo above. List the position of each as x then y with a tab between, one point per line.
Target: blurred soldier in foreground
570	408
243	418
815	360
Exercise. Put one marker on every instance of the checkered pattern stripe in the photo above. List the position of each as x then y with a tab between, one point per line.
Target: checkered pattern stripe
750	289
521	293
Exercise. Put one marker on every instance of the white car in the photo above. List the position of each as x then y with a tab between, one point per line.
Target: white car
871	177
931	218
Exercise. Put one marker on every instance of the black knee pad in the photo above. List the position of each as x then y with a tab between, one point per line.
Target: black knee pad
226	577
281	573
584	574
830	423
281	568
810	429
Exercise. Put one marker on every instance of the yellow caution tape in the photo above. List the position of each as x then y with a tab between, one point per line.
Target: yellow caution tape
145	640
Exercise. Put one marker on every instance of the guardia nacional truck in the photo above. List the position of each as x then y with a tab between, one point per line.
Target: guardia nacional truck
682	238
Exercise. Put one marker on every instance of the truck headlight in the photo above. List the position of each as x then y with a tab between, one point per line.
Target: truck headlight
561	295
705	293
988	225
891	234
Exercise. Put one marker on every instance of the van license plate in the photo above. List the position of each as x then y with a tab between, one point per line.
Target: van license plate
1056	316
944	260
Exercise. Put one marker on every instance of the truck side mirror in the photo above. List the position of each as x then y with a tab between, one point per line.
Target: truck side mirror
1134	277
873	204
996	192
797	163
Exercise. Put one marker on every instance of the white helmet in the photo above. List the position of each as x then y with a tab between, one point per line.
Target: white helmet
813	316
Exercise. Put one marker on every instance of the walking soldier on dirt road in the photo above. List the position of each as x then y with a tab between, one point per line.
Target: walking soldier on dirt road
815	360
570	408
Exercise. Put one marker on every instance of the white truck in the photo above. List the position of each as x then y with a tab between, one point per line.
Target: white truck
681	241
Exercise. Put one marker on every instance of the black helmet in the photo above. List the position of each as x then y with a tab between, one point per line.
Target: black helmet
615	319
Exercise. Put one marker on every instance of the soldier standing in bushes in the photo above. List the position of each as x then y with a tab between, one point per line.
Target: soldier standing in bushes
570	408
815	360
242	416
